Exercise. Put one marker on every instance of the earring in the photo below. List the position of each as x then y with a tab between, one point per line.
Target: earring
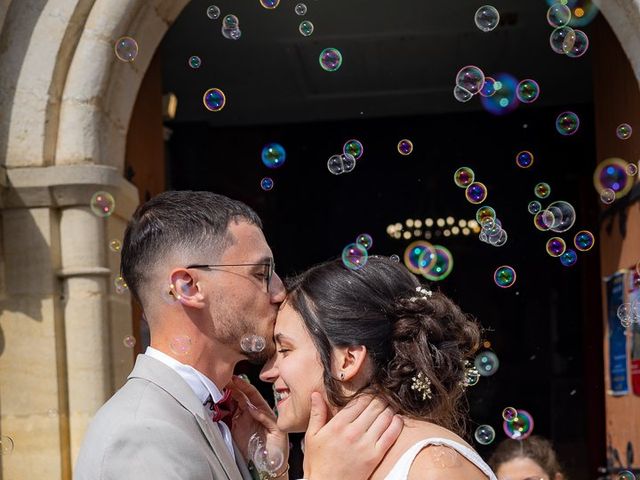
173	292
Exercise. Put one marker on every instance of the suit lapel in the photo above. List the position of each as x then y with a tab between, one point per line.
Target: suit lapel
241	463
166	378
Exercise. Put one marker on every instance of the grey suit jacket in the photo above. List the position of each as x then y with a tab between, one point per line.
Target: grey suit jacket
155	428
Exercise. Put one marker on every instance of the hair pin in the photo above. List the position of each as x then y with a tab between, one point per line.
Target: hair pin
422	384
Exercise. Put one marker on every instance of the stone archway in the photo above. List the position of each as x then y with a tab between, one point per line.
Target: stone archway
65	106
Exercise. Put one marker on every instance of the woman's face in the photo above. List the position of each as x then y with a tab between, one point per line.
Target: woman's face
295	371
521	468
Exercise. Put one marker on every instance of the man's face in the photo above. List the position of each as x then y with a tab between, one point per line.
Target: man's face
238	301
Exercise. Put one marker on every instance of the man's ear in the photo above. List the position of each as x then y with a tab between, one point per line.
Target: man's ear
185	289
349	361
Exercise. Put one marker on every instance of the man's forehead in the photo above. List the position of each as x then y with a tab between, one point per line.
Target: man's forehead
247	240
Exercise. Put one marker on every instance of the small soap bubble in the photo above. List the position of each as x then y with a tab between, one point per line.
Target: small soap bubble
476	193
509	413
564	216
354	256
233	33
120	285
214	99
436	264
504	276
534	207
180	344
230	21
126	49
471	376
607	196
461	94
213	12
631	169
625	314
580	44
252	343
623	131
520	427
268	460
395	258
485	214
6	445
405	147
306	28
485	434
339	164
558	15
542	190
115	246
524	159
273	155
567	123
528	91
562	40
487	18
584	240
489	87
463	177
486	363
365	240
556	246
415	258
195	61
102	204
353	147
129	341
266	184
569	258
301	9
625	475
270	4
330	59
471	78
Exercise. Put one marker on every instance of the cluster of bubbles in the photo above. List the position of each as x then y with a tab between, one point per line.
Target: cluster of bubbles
470	81
330	59
504	276
487	18
253	343
231	27
102	204
565	40
612	179
405	147
486	363
6	445
491	227
485	434
356	254
629	313
567	123
433	262
266	460
345	162
624	131
475	192
518	424
126	49
214	99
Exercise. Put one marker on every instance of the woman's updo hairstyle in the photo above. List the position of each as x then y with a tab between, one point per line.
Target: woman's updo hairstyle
407	331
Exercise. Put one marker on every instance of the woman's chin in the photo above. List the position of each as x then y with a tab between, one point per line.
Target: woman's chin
290	425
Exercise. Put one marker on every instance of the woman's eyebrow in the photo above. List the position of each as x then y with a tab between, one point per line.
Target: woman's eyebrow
279	337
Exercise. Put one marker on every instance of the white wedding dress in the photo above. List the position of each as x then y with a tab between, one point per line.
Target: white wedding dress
400	470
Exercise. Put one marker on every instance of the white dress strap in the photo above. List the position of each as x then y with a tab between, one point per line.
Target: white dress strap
400	470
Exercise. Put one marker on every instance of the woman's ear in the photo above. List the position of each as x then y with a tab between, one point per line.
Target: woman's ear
185	289
349	361
558	476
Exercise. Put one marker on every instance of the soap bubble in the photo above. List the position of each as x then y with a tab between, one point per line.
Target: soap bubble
102	204
415	258
180	344
623	131
306	28
461	94
405	147
485	434
569	258
6	445
487	18
463	177
612	174
524	159
542	190
471	375
120	285
436	267
564	216
631	169
233	33
195	61
213	12
504	276
129	341
556	246
567	123
300	9
270	4
353	147
485	214
489	87
476	193
395	258
266	184
126	49
214	99
230	21
607	196
486	363
520	427
365	240
354	256
471	78
115	246
625	475
268	460
509	413
253	343
273	155
580	44
528	91
584	240
558	15
534	207
562	40
330	59
339	164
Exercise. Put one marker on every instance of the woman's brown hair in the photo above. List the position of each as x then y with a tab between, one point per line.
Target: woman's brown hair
536	448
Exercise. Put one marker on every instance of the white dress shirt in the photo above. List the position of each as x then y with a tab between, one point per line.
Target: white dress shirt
201	385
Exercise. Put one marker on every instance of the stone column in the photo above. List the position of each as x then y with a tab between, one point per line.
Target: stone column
62	324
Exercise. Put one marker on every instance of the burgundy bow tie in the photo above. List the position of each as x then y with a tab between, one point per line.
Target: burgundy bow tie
222	411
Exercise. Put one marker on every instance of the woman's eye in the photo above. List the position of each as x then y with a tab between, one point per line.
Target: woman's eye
283	350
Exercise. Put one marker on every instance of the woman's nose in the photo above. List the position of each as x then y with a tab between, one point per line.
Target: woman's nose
269	372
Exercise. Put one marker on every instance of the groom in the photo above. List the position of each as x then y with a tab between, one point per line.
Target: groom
200	267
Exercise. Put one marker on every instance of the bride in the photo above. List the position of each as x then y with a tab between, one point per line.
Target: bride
377	331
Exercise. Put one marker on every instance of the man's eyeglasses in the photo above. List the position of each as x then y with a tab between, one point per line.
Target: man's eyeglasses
266	275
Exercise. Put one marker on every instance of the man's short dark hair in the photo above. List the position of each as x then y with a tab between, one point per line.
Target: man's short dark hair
177	219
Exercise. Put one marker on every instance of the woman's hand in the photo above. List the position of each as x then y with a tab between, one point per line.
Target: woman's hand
254	415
